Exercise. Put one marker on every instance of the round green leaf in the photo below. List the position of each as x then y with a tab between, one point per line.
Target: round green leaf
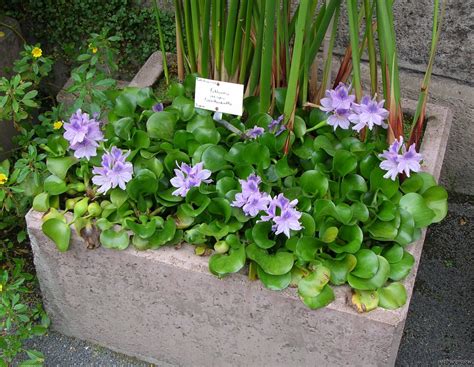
58	231
161	125
204	135
53	185
117	240
393	253
59	166
184	106
365	301
436	198
367	264
351	237
125	104
377	281
416	205
344	162
314	183
306	248
223	264
41	202
392	296
325	297
214	158
399	270
142	184
274	282
312	284
260	232
277	264
340	268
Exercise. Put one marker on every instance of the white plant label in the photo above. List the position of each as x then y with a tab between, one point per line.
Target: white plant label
219	96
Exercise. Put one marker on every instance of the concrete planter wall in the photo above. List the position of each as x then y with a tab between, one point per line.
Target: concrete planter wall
165	307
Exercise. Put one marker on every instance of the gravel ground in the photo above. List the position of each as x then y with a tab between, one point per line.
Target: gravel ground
438	330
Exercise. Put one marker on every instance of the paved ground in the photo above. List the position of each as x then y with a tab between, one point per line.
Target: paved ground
438	330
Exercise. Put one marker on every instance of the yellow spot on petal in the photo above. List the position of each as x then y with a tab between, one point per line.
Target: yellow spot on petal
3	178
57	125
37	52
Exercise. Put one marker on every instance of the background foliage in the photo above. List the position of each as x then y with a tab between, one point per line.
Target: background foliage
62	26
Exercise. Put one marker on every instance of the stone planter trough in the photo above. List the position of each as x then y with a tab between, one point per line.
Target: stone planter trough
165	307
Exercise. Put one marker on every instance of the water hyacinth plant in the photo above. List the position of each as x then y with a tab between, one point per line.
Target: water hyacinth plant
332	210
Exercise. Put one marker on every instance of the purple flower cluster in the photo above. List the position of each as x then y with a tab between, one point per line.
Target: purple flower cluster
343	110
189	176
284	215
251	200
255	132
395	163
157	107
114	171
277	126
83	134
279	209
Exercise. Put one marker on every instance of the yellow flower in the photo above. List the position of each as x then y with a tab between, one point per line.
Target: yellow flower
3	178
2	34
1	287
93	49
37	52
57	125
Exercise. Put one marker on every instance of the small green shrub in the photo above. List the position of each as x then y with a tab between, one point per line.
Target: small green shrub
62	24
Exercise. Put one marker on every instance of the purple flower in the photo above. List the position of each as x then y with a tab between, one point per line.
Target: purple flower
255	132
115	171
83	134
409	160
340	118
276	126
157	107
251	200
188	177
368	113
396	163
284	215
337	99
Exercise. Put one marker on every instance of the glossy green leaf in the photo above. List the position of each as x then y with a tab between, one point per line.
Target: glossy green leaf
123	127
260	232
436	198
125	105
406	230
416	205
143	183
325	297
399	270
314	183
393	253
306	248
214	158
274	282
184	106
367	264
60	166
53	185
364	301
58	231
112	239
41	202
224	264
340	268
312	284
392	296
377	281
307	221
164	235
277	264
351	237
353	185
161	125
387	186
344	162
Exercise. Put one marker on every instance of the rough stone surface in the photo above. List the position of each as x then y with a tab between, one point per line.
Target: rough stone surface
436	332
149	72
165	307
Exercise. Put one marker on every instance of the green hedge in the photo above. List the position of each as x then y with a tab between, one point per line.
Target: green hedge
64	25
